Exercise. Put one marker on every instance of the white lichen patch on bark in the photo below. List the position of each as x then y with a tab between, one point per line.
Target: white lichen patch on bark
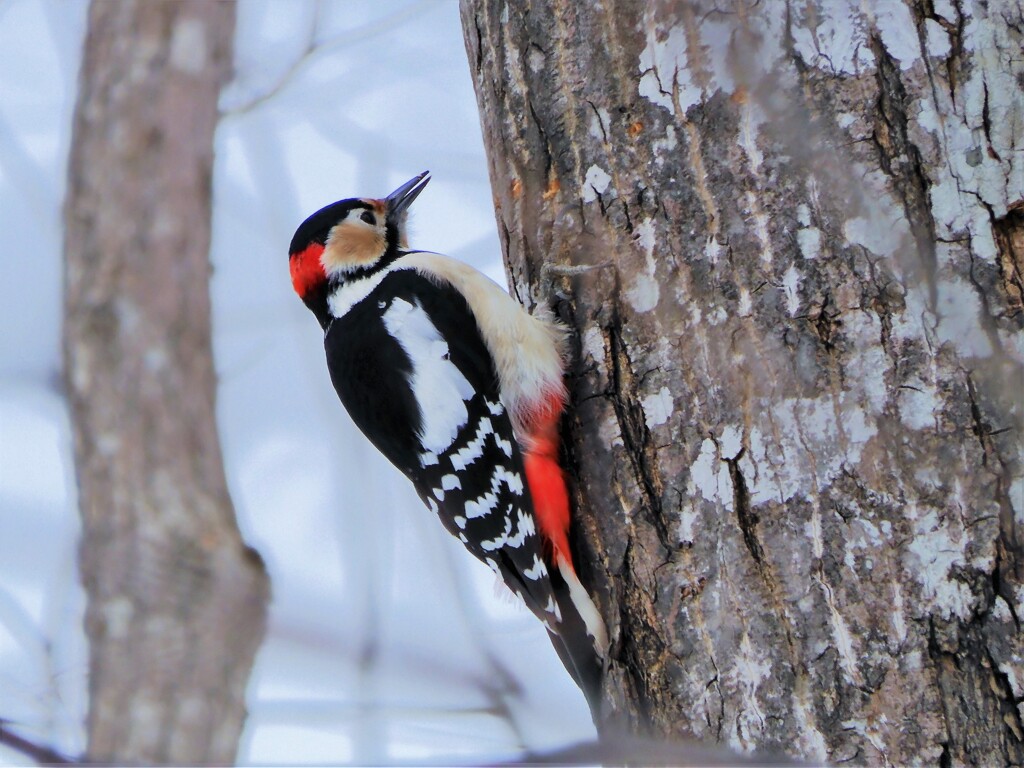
832	36
760	220
868	369
663	66
709	476
842	638
791	289
644	292
959	310
897	30
745	303
918	404
1017	503
808	240
811	740
688	518
883	233
598	119
982	171
899	621
808	439
730	443
866	537
751	118
712	250
610	433
938	546
645	236
593	344
937	39
748	671
595	183
657	408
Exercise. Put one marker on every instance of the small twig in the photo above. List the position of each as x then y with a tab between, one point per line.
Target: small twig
314	47
35	752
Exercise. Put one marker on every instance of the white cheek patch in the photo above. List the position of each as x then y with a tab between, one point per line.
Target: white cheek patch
440	389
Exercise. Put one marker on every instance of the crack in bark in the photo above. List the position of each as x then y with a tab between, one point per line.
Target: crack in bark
825	323
1009	236
901	160
633	428
643	652
963	664
746	517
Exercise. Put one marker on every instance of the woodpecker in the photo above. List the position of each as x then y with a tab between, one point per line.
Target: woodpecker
461	389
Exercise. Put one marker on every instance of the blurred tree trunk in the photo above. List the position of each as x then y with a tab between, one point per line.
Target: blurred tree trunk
795	434
176	601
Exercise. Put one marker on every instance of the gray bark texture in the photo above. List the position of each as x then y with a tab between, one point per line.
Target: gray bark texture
176	601
795	428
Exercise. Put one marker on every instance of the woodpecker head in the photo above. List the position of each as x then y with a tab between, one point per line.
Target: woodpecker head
347	238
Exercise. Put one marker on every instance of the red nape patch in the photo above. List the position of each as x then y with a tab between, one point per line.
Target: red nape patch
550	502
307	271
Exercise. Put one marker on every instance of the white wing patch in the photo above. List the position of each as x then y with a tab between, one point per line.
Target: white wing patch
440	389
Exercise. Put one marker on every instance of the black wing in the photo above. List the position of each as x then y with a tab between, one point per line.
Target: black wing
411	367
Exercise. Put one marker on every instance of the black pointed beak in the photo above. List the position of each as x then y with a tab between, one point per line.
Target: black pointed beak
402	197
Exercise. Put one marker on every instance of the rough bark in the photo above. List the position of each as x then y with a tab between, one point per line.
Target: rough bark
796	407
176	601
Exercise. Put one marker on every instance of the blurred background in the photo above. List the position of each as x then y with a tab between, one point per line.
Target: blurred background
387	641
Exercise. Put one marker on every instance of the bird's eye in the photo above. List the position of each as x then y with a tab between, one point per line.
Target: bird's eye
368	217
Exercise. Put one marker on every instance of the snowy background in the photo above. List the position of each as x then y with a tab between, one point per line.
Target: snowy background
387	642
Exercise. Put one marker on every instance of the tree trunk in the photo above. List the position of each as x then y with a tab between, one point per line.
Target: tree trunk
176	601
796	414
